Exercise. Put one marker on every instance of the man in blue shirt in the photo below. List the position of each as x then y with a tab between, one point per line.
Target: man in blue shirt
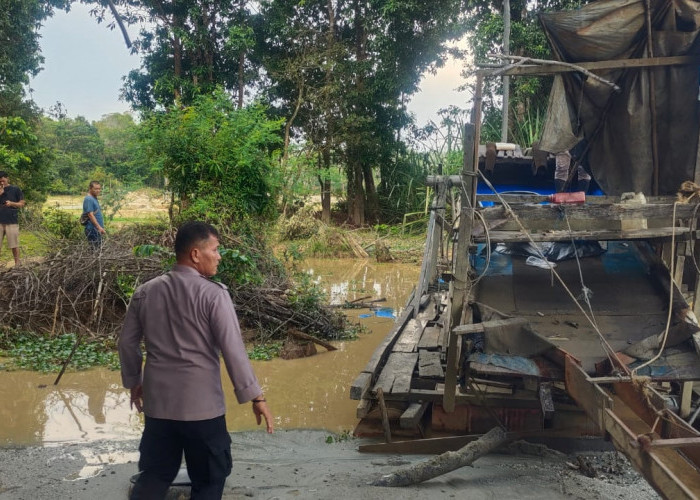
11	200
95	227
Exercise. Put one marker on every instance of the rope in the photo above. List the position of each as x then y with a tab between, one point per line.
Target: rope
610	352
672	284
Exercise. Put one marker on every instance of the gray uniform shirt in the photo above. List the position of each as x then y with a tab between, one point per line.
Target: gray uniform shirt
186	320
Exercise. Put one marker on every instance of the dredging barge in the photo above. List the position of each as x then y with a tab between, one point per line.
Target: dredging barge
604	345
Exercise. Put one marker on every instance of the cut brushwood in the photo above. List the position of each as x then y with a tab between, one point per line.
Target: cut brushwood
447	462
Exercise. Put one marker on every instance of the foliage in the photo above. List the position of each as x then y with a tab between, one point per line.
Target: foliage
23	157
124	158
236	267
266	351
76	149
346	435
219	161
20	56
47	354
306	296
61	224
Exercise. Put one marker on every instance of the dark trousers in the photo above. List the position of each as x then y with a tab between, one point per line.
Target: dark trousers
93	237
207	448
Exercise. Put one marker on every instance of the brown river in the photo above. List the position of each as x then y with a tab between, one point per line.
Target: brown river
306	393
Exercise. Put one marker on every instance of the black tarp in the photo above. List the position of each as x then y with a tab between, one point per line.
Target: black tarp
618	125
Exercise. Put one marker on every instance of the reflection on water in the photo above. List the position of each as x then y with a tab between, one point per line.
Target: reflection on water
302	393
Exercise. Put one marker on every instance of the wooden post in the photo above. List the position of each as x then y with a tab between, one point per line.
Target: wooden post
428	268
506	78
385	415
460	285
652	104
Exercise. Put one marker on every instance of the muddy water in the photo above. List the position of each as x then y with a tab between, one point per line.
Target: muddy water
309	393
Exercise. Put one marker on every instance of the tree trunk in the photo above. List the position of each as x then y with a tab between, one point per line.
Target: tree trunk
372	208
326	188
447	462
356	193
241	78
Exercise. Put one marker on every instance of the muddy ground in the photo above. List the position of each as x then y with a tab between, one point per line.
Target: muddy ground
301	464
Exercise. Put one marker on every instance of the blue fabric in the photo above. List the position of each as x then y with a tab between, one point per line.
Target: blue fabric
90	204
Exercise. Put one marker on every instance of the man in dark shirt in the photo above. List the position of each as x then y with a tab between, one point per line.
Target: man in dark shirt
11	200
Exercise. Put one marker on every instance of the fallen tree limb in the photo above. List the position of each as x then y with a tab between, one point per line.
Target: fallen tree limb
303	336
447	462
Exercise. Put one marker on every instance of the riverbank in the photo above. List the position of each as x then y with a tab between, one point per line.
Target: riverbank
302	464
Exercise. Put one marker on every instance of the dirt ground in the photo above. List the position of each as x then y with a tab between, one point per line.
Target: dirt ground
301	464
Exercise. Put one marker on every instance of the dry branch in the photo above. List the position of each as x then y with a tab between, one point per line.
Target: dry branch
76	289
447	462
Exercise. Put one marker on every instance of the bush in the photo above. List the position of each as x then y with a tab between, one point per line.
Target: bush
61	224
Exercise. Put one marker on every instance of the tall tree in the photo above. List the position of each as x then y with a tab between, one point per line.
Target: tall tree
189	48
379	53
20	59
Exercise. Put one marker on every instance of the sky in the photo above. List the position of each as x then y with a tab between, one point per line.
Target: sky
85	63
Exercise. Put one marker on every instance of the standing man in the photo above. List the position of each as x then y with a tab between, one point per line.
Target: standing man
11	200
186	320
95	227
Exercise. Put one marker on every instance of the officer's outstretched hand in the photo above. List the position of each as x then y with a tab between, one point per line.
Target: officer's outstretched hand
261	410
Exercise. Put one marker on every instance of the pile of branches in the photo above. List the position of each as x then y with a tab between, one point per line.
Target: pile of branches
268	310
77	289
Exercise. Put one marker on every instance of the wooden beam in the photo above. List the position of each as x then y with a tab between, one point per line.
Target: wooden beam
411	417
589	396
360	386
480	327
665	470
551	69
599	235
593	211
686	398
460	286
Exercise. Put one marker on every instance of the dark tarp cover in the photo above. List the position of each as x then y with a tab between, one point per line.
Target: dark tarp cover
618	126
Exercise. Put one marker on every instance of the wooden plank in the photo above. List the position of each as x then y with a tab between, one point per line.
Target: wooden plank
397	373
686	397
596	211
589	396
381	353
429	311
600	235
363	408
429	365
665	470
480	327
445	327
411	334
360	386
430	338
411	417
550	69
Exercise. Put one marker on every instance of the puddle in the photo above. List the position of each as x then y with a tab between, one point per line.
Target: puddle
308	393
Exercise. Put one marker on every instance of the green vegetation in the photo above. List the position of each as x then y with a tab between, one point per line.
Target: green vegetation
346	435
32	352
265	352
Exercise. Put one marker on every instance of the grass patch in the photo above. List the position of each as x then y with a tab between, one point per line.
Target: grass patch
47	355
